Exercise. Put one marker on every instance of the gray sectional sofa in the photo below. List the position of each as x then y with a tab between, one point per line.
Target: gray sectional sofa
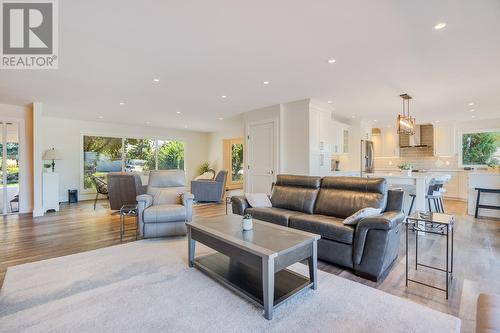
319	205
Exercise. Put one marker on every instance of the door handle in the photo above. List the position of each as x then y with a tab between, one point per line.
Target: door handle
271	172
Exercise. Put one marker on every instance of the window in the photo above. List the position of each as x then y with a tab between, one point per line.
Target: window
140	155
237	162
233	162
102	155
481	148
170	155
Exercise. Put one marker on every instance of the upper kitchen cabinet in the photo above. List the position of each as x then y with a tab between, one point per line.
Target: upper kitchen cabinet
385	142
320	130
444	140
340	138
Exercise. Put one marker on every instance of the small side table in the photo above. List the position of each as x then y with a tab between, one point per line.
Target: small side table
128	210
437	224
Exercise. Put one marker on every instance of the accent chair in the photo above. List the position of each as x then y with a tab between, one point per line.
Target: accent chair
210	190
166	206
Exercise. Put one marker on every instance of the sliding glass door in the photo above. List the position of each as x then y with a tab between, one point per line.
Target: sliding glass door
9	181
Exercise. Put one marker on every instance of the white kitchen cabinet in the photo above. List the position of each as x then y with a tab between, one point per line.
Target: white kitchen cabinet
340	138
386	143
320	130
345	140
50	191
444	140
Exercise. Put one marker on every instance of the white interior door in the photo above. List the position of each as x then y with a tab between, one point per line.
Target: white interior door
261	156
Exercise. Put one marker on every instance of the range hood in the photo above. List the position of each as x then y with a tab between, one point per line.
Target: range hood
412	141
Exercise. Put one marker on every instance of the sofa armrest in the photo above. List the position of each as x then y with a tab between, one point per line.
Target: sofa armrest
383	222
239	204
187	201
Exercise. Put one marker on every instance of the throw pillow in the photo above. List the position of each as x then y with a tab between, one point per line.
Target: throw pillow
258	200
361	214
205	176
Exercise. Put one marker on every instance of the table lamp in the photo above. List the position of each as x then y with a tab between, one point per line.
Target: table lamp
52	154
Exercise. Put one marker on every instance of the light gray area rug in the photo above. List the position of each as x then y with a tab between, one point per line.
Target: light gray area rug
147	286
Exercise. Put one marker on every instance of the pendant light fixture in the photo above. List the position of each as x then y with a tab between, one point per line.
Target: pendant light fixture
405	123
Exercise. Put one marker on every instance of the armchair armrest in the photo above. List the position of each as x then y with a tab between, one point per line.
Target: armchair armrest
187	201
382	222
144	200
239	204
186	197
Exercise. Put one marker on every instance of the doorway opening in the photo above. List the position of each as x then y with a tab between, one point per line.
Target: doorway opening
9	180
233	162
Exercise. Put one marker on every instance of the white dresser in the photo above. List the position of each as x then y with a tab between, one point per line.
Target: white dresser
50	185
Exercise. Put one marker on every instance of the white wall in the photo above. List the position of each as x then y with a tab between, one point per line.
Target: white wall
295	137
232	129
65	135
24	116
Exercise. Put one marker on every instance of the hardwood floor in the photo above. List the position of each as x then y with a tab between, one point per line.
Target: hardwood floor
78	228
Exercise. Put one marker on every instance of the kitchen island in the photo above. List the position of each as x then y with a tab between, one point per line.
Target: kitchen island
417	179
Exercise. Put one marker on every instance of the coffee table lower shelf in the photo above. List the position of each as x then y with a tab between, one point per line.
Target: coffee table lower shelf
246	281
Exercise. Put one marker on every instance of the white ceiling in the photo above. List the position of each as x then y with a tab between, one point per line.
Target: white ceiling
111	50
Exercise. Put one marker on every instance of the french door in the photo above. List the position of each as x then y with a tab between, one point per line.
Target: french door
9	180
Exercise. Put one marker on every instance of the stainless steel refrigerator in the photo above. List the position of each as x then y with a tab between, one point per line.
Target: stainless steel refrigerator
367	157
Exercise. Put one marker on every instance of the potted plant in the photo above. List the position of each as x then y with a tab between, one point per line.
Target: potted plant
406	168
247	222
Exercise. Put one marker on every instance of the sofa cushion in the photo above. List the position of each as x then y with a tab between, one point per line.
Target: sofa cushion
328	227
274	215
343	196
165	213
296	193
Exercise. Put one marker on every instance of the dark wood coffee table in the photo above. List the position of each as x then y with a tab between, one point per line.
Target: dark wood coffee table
254	263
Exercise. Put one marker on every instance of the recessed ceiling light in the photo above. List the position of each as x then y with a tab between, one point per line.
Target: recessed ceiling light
473	116
472	110
178	112
331	61
353	117
156	80
148	123
266	82
439	26
100	117
220	118
471	103
375	120
122	103
330	102
223	96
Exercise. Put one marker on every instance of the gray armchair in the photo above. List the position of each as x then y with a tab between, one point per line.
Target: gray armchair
166	206
210	190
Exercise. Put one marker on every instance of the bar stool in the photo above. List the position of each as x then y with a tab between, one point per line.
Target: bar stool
435	192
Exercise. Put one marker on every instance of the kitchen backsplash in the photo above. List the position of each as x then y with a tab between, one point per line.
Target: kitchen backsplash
418	162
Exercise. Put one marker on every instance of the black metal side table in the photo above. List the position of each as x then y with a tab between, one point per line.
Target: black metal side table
437	224
128	210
